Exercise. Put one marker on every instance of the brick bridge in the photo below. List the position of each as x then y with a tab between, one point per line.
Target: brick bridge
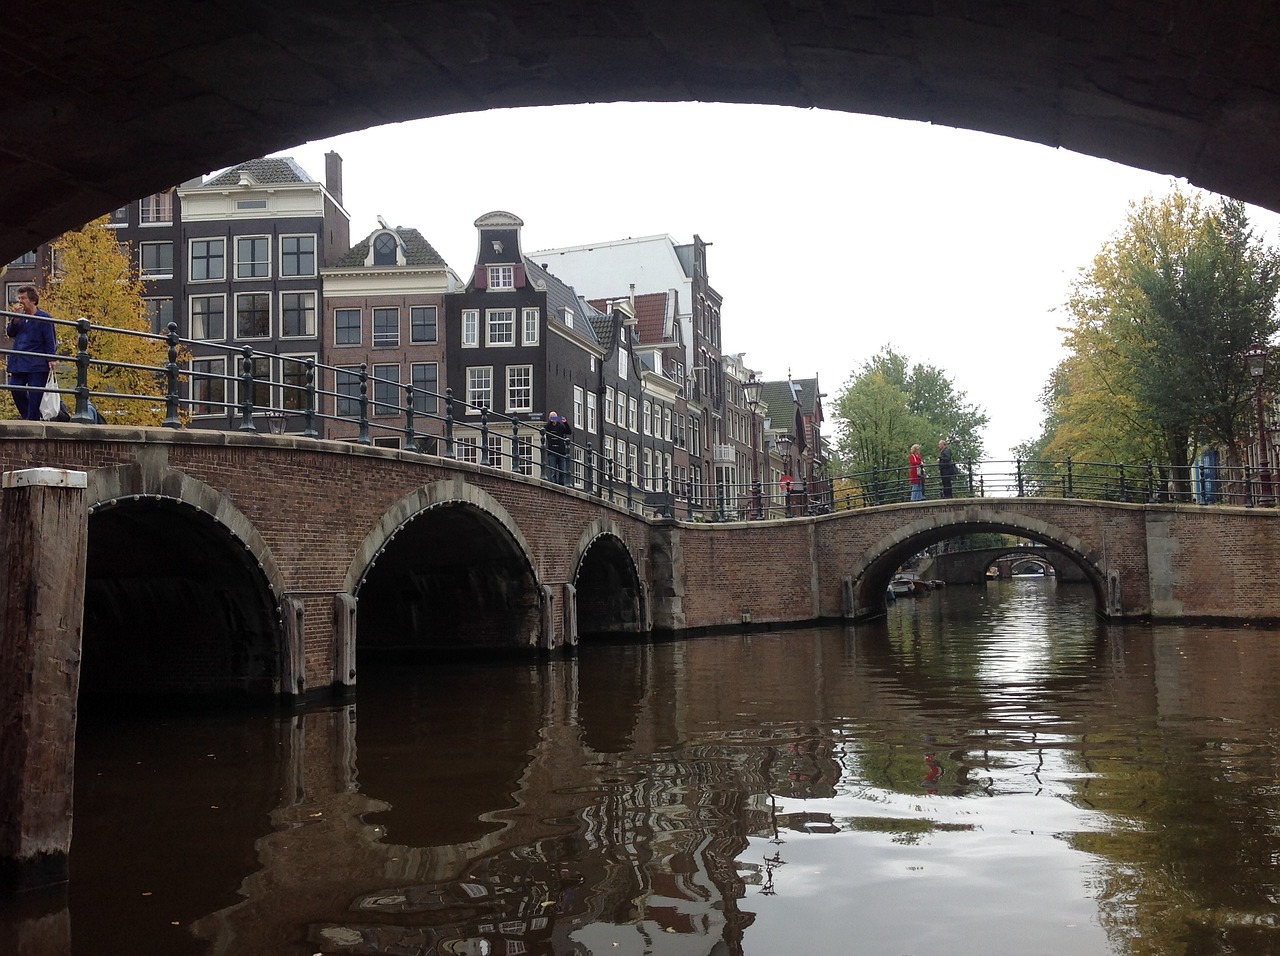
970	566
223	562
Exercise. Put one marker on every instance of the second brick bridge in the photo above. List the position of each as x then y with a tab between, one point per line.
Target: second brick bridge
220	561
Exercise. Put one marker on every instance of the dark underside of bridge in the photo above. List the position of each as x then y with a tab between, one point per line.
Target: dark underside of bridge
108	102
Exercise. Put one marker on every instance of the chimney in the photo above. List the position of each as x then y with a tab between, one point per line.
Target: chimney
333	175
631	295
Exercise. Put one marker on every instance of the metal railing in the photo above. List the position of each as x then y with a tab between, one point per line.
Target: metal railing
290	390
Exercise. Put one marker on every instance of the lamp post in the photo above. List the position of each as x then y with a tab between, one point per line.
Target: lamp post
1255	361
751	389
784	447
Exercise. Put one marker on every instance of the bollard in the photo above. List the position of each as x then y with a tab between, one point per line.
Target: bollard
44	532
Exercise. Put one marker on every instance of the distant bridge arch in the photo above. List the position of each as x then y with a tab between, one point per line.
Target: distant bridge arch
970	566
873	571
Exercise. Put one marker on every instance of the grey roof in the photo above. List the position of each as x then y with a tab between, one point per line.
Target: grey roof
601	322
777	395
268	171
561	297
417	251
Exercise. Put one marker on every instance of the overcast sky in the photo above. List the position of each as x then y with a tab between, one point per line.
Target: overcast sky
832	235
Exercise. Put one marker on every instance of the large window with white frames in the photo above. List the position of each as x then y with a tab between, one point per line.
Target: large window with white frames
208	317
529	327
298	314
479	388
208	259
519	388
298	256
501	326
470	328
253	257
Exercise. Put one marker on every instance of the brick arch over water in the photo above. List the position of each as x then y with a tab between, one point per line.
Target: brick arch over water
1184	88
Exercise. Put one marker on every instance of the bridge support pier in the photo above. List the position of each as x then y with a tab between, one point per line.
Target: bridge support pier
44	533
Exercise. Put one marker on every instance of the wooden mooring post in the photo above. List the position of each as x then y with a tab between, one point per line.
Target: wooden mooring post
43	550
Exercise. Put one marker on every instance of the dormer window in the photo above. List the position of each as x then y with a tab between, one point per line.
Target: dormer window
502	277
384	249
568	317
497	245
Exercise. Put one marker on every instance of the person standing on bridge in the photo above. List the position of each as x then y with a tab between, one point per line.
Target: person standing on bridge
559	437
916	473
33	341
946	467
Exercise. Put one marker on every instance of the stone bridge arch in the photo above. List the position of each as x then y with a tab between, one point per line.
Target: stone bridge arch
182	594
609	592
872	572
446	568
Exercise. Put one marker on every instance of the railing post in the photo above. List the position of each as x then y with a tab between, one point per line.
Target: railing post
688	497
82	372
410	439
246	390
309	413
588	468
1248	486
1151	483
969	463
171	419
720	498
1019	468
515	445
448	423
364	438
1071	492
1124	485
630	503
484	436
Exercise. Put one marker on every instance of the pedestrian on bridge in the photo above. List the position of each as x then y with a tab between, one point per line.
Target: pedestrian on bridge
29	363
946	467
559	437
916	473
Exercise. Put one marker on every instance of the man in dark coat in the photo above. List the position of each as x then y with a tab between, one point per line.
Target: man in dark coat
29	362
559	443
946	467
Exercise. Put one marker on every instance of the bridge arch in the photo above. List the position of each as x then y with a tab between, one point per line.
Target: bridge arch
446	568
873	571
609	590
182	594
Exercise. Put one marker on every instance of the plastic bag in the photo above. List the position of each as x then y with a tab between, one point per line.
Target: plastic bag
50	400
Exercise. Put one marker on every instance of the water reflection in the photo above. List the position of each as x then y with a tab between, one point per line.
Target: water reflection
986	771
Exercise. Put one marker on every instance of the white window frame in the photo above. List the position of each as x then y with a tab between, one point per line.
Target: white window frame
577	406
631	414
434	311
470	328
191	312
608	405
160	327
591	412
314	257
359	328
529	326
236	316
516	389
622	363
212	365
501	278
493	320
149	210
221	258
666	423
622	408
315	318
475	389
644	417
253	264
294	373
425	402
387	340
142	260
380	407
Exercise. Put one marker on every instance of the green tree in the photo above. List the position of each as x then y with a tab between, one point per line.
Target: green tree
888	405
96	279
1159	325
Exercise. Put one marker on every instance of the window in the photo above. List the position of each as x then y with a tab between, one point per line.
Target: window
577	406
591	411
346	326
253	257
620	454
262	388
251	204
529	323
384	249
160	312
501	326
119	217
253	315
608	404
666	423
644	418
622	408
347	385
502	277
422	323
386	328
208	386
568	317
520	388
606	455
646	473
479	388
156	260
425	377
495	450
386	389
622	363
293	375
467	449
157	209
208	259
523	449
298	314
631	461
470	327
631	414
208	317
297	255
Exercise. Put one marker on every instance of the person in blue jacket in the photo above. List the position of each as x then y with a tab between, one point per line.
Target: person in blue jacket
33	341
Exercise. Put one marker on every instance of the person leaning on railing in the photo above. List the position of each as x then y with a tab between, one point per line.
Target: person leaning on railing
33	341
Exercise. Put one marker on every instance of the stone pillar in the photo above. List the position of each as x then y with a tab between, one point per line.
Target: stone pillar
44	531
344	641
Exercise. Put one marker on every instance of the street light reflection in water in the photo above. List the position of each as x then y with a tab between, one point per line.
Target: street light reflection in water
989	770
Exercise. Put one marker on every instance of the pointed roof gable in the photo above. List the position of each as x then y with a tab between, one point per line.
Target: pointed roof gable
268	171
417	250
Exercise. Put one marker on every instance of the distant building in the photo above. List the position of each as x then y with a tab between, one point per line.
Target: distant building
384	309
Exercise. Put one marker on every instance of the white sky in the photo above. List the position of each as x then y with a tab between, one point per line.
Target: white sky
831	234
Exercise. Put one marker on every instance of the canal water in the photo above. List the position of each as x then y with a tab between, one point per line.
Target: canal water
987	771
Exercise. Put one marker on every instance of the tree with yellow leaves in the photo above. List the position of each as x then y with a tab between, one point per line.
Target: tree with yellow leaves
97	280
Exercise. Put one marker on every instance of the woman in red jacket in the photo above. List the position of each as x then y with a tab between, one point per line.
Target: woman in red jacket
917	474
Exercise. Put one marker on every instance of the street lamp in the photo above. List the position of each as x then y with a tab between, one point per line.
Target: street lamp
1255	361
784	449
751	389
